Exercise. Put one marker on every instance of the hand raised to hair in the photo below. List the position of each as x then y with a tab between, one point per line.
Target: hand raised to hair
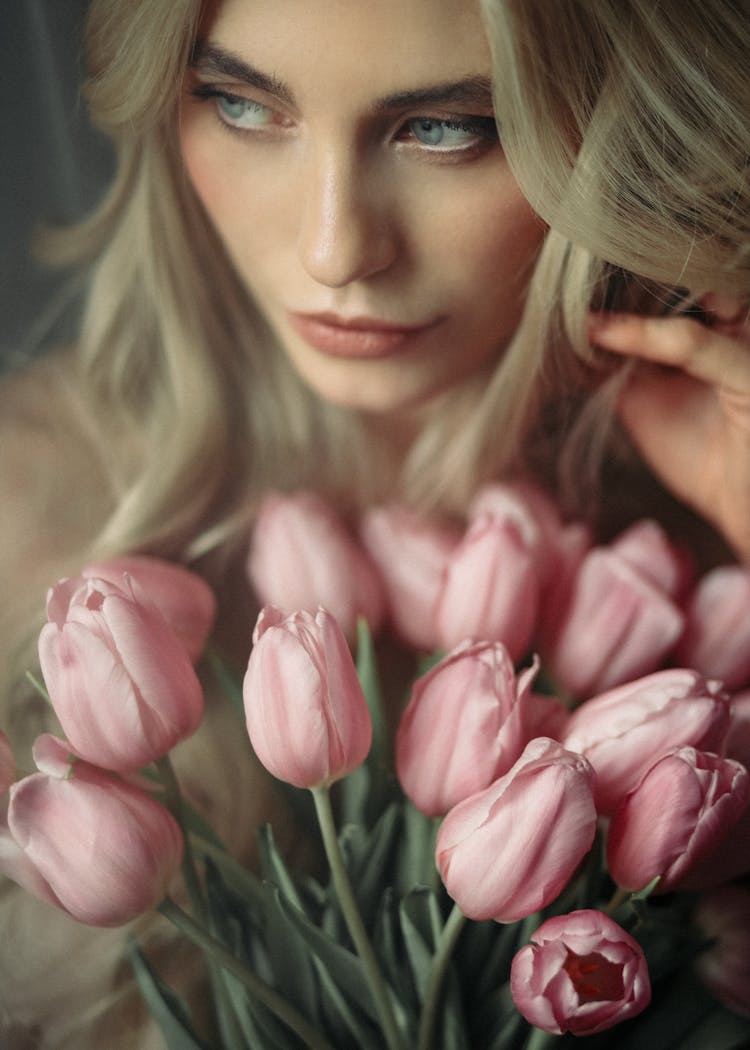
691	420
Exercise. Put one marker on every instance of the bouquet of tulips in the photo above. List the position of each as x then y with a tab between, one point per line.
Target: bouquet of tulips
553	844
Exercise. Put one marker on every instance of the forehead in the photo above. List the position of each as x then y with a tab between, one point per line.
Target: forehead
355	46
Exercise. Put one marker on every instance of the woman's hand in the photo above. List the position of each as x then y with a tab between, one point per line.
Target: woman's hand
691	419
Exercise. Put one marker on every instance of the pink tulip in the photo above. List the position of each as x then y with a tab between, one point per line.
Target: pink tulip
302	557
624	731
7	764
646	546
510	850
675	818
491	587
307	717
183	598
121	683
545	716
716	641
411	553
738	738
99	848
552	540
582	974
617	626
724	966
463	727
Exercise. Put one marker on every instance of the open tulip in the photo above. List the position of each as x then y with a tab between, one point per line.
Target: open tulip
411	553
582	974
618	625
625	730
675	818
307	717
464	726
724	966
120	681
491	586
183	598
510	850
716	640
96	846
302	556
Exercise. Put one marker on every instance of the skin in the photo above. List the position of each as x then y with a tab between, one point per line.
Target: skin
327	203
330	201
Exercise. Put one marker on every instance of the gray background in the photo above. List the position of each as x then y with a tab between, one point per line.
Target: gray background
53	167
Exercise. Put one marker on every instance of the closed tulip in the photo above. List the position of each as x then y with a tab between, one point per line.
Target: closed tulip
510	850
491	587
302	556
618	625
183	598
464	726
121	683
625	730
716	640
411	553
307	717
675	818
582	974
102	849
724	966
650	550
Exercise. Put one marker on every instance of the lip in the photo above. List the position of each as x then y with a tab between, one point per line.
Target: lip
357	337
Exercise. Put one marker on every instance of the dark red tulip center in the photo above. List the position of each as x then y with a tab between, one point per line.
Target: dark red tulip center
594	977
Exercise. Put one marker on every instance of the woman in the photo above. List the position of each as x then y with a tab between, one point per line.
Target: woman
319	265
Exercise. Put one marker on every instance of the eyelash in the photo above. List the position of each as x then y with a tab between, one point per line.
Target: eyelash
482	129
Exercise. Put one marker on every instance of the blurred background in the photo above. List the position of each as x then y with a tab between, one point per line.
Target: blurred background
53	166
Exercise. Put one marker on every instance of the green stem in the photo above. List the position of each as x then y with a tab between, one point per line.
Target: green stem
257	987
174	802
540	1040
446	944
324	810
618	897
38	686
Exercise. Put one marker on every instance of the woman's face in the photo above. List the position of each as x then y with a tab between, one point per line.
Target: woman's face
346	153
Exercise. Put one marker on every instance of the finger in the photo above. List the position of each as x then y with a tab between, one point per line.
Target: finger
729	309
712	356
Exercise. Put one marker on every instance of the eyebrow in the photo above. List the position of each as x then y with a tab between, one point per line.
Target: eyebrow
211	59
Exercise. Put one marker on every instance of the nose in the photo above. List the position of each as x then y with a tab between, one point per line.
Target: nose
347	232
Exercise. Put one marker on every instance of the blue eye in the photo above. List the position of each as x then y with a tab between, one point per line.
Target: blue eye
446	135
242	113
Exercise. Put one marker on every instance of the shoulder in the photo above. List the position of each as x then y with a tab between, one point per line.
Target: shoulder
53	490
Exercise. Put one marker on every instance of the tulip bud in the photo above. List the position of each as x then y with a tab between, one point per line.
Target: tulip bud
491	587
101	849
463	727
675	818
716	640
182	597
302	557
582	974
724	966
121	683
617	626
624	731
307	717
411	554
510	850
646	546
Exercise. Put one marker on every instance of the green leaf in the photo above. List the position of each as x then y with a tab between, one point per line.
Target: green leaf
290	958
273	867
166	1007
421	924
344	967
346	1025
415	861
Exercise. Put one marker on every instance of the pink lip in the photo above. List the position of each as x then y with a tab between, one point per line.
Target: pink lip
356	337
